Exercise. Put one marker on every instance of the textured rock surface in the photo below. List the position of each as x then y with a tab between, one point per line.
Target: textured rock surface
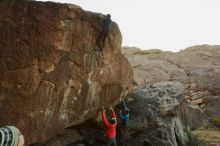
51	74
158	117
191	115
196	67
155	115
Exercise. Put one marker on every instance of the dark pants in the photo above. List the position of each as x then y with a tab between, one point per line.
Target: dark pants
105	34
112	142
101	40
96	136
121	134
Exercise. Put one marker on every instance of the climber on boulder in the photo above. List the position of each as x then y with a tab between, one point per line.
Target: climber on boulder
124	110
124	116
110	127
104	33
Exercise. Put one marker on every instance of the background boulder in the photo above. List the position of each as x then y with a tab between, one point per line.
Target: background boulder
156	115
197	68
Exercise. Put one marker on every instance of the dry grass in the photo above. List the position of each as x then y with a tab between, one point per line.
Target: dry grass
216	120
211	135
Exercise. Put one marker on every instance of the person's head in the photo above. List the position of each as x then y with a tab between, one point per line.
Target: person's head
109	16
112	120
126	111
10	135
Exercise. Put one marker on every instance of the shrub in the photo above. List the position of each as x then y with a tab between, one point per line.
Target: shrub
216	120
195	141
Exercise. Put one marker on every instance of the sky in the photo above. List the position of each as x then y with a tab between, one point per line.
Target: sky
170	25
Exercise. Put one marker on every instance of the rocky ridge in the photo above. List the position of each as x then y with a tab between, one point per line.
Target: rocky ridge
197	68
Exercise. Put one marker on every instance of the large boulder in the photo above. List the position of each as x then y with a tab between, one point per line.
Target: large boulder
157	118
52	75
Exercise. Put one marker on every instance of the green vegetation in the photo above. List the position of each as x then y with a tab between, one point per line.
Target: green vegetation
208	135
194	140
216	120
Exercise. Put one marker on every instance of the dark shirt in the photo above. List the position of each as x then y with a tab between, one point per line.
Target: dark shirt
107	24
124	118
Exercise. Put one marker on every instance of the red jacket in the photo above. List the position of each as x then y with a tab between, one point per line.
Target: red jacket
110	128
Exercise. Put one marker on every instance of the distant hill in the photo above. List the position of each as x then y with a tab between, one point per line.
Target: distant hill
196	67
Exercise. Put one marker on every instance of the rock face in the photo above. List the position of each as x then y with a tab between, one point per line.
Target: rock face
51	74
156	118
197	68
191	115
